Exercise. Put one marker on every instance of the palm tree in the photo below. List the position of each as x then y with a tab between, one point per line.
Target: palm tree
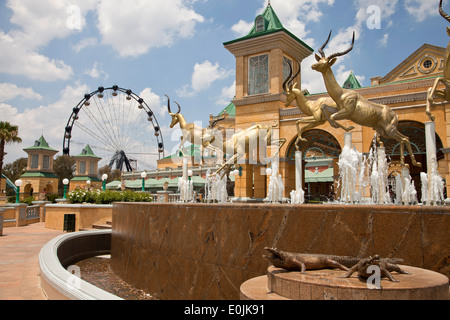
8	134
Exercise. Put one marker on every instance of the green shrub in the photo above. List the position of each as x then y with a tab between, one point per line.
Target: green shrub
107	196
52	197
28	201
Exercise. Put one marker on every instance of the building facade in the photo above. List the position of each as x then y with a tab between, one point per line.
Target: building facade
262	64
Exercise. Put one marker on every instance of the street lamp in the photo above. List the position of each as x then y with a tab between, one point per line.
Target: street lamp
88	183
65	183
104	178
143	176
18	184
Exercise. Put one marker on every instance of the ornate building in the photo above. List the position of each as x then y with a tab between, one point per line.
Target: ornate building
261	67
86	170
39	179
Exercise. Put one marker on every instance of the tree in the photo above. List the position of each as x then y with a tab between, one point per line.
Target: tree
8	134
64	167
14	170
112	174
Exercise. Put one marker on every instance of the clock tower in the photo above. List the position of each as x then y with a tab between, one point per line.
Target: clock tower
262	64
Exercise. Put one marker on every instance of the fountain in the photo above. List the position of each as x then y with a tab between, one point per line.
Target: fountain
216	188
432	182
298	195
185	185
276	187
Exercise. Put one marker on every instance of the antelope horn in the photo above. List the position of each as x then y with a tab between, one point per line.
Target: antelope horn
288	78
168	103
340	54
179	108
296	74
324	45
213	124
443	14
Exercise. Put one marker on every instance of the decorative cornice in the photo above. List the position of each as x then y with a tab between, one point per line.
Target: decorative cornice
278	40
259	99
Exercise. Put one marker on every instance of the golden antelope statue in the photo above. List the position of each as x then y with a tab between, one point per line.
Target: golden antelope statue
352	106
191	132
441	93
240	143
313	109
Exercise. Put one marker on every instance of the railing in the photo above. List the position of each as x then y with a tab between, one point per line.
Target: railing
32	212
175	197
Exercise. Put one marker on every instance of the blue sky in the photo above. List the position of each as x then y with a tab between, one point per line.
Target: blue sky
54	52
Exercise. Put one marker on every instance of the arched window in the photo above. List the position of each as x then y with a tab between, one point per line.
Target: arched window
260	24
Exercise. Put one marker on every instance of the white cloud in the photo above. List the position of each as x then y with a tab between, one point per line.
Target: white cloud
21	60
421	10
227	94
133	30
383	41
84	43
242	28
35	122
96	73
203	76
9	91
38	23
154	102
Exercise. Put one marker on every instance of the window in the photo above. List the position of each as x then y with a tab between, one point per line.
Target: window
260	24
92	168
258	75
427	64
82	169
34	161
46	164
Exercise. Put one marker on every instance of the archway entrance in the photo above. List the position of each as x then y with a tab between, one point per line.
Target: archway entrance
415	131
320	156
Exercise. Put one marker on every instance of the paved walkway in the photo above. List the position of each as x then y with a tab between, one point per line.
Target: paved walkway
19	261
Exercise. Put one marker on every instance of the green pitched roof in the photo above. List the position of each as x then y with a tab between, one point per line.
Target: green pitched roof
191	151
40	144
230	110
271	24
87	152
351	82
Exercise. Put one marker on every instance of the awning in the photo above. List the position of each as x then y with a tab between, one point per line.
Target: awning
324	176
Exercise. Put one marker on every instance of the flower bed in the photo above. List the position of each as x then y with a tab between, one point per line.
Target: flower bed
107	196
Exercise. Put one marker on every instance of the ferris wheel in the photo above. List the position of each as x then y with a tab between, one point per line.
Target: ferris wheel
119	127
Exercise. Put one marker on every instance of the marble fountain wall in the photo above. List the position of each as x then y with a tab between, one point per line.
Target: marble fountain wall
205	252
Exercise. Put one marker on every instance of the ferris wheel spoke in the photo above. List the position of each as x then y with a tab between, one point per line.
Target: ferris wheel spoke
106	121
101	126
94	135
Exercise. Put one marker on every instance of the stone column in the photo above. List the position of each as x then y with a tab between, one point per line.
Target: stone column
20	213
246	181
298	170
260	181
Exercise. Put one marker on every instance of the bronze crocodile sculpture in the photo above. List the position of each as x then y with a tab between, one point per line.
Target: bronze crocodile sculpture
386	266
305	261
